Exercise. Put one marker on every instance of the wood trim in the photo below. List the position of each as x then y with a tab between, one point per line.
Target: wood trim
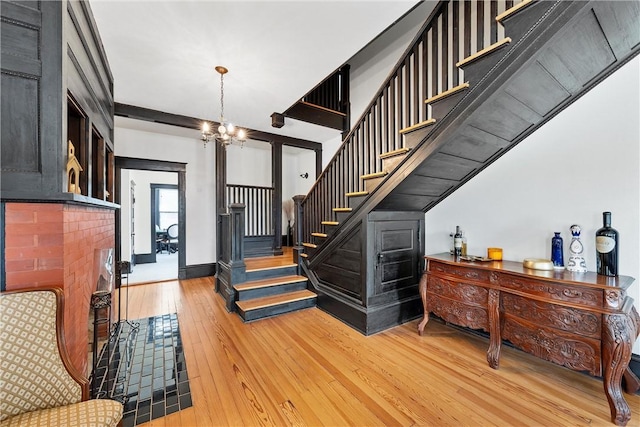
198	270
447	93
513	10
319	107
484	51
417	126
155	116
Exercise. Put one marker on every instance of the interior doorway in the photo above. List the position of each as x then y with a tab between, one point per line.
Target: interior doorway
153	252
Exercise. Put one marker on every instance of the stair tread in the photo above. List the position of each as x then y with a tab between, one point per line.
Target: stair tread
447	93
303	255
309	245
398	152
513	9
417	126
257	303
330	223
319	235
357	193
274	281
342	209
374	175
484	51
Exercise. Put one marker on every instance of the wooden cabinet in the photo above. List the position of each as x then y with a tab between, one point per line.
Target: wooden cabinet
582	321
56	87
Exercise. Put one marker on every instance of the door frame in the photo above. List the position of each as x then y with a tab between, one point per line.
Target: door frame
157	166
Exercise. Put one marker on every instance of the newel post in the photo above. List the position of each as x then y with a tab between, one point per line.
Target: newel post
297	222
237	266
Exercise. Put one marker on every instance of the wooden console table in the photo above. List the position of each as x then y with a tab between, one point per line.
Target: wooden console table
582	321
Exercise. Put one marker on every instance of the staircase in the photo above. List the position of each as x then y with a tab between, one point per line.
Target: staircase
437	122
271	290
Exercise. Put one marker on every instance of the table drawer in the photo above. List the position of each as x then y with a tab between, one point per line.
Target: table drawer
459	291
566	349
467	273
556	291
458	313
553	316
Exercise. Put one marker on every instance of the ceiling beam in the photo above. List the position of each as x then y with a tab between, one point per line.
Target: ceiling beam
149	115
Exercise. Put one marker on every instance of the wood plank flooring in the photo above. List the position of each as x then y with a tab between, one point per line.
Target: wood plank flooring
308	369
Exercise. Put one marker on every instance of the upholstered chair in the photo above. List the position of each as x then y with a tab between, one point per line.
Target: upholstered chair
38	385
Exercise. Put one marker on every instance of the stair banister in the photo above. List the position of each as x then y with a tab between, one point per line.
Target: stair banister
400	103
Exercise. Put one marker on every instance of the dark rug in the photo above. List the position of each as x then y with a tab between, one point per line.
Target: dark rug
147	372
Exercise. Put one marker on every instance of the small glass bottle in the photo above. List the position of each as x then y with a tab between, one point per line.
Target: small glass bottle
607	247
464	244
557	251
457	243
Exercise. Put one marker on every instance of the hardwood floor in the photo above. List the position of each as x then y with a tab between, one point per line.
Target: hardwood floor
307	368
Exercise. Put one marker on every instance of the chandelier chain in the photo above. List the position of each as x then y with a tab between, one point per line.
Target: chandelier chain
222	97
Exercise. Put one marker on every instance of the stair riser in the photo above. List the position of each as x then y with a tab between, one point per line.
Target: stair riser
518	24
476	70
271	290
371	184
441	108
309	251
411	139
390	163
273	272
355	201
276	309
342	216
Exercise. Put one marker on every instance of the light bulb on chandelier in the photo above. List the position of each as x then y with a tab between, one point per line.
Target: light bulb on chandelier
226	133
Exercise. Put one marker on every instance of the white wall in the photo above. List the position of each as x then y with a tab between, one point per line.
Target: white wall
162	142
295	162
583	162
249	164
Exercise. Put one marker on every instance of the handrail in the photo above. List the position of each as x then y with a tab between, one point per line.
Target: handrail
448	32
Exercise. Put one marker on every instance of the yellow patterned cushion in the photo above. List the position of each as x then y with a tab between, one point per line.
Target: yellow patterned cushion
32	375
90	413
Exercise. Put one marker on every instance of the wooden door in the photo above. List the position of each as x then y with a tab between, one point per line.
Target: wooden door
397	255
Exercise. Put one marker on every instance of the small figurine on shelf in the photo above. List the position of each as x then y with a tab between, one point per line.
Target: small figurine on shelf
556	251
576	262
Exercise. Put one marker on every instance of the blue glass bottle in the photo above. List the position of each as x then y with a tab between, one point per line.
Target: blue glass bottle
556	251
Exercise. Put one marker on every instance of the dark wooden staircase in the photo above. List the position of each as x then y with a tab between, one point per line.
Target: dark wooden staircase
435	124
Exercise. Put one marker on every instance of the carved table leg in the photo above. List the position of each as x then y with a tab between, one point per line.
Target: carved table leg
493	354
423	295
631	381
616	354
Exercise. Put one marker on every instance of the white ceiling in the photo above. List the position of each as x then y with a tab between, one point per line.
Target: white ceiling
163	53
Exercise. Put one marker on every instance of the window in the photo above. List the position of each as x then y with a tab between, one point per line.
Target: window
167	207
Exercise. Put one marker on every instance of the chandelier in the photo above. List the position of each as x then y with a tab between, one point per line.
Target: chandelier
226	133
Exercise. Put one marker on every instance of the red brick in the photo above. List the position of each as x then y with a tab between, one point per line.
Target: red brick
19	240
34	278
33	252
19	216
20	265
49	263
56	239
49	216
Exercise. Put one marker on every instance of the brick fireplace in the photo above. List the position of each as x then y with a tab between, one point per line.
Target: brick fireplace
53	244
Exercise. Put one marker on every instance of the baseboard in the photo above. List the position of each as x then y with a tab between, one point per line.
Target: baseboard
197	270
145	258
